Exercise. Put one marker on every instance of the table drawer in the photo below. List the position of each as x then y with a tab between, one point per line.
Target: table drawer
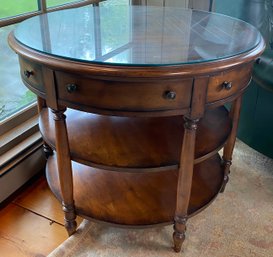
228	83
31	74
123	95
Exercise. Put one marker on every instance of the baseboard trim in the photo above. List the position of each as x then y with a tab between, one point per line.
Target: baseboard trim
21	172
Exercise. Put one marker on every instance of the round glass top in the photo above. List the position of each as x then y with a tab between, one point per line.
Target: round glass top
137	35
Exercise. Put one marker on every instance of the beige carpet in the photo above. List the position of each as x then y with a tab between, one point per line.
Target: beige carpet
238	224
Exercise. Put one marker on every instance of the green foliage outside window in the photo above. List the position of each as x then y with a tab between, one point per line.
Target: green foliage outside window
13	94
17	7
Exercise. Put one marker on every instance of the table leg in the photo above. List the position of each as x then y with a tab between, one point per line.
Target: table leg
184	182
65	170
229	146
41	103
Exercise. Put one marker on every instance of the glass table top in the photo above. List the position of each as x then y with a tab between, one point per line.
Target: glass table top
137	35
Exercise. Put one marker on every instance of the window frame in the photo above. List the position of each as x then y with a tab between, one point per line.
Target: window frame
19	127
42	8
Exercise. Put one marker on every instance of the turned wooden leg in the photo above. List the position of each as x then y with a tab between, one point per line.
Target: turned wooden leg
229	146
47	150
227	165
184	182
179	232
70	218
41	103
65	170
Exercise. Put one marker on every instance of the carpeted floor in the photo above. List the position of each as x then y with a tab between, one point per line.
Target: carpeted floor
238	224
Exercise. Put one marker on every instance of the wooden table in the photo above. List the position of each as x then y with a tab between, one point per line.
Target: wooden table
131	101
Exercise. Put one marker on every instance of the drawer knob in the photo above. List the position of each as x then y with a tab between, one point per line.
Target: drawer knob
170	95
28	73
71	88
227	85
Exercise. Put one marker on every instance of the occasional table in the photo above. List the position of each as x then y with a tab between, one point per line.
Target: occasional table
131	108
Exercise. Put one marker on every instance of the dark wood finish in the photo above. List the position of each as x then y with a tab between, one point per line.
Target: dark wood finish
122	96
228	149
65	171
184	184
150	143
226	70
47	150
186	162
41	104
155	100
136	199
238	79
31	74
199	98
50	89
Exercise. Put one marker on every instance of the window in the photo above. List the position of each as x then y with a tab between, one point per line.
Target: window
17	103
51	3
20	141
17	7
13	95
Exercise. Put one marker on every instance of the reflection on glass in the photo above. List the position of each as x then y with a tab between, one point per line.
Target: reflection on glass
114	28
13	94
52	3
16	7
138	35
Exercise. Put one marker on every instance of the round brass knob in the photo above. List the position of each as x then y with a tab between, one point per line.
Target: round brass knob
227	85
71	88
28	73
170	95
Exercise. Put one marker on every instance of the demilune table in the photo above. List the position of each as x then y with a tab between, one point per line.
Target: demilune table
131	104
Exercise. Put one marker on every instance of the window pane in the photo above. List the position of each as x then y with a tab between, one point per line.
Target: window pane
13	94
15	7
51	3
115	2
113	28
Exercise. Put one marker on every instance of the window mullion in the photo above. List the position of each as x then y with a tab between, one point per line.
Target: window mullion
42	5
17	18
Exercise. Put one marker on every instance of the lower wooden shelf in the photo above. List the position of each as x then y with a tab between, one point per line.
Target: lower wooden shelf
136	199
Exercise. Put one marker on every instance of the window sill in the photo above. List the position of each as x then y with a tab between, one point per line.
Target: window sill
18	134
20	152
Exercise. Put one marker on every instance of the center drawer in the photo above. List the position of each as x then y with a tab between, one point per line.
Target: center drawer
123	95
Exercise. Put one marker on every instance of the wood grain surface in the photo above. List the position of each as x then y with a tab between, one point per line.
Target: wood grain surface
136	142
29	226
136	198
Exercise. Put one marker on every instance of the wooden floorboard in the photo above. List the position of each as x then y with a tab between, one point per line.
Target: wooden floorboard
31	225
25	234
39	199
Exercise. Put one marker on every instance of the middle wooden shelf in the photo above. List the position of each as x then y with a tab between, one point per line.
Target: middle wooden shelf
136	144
